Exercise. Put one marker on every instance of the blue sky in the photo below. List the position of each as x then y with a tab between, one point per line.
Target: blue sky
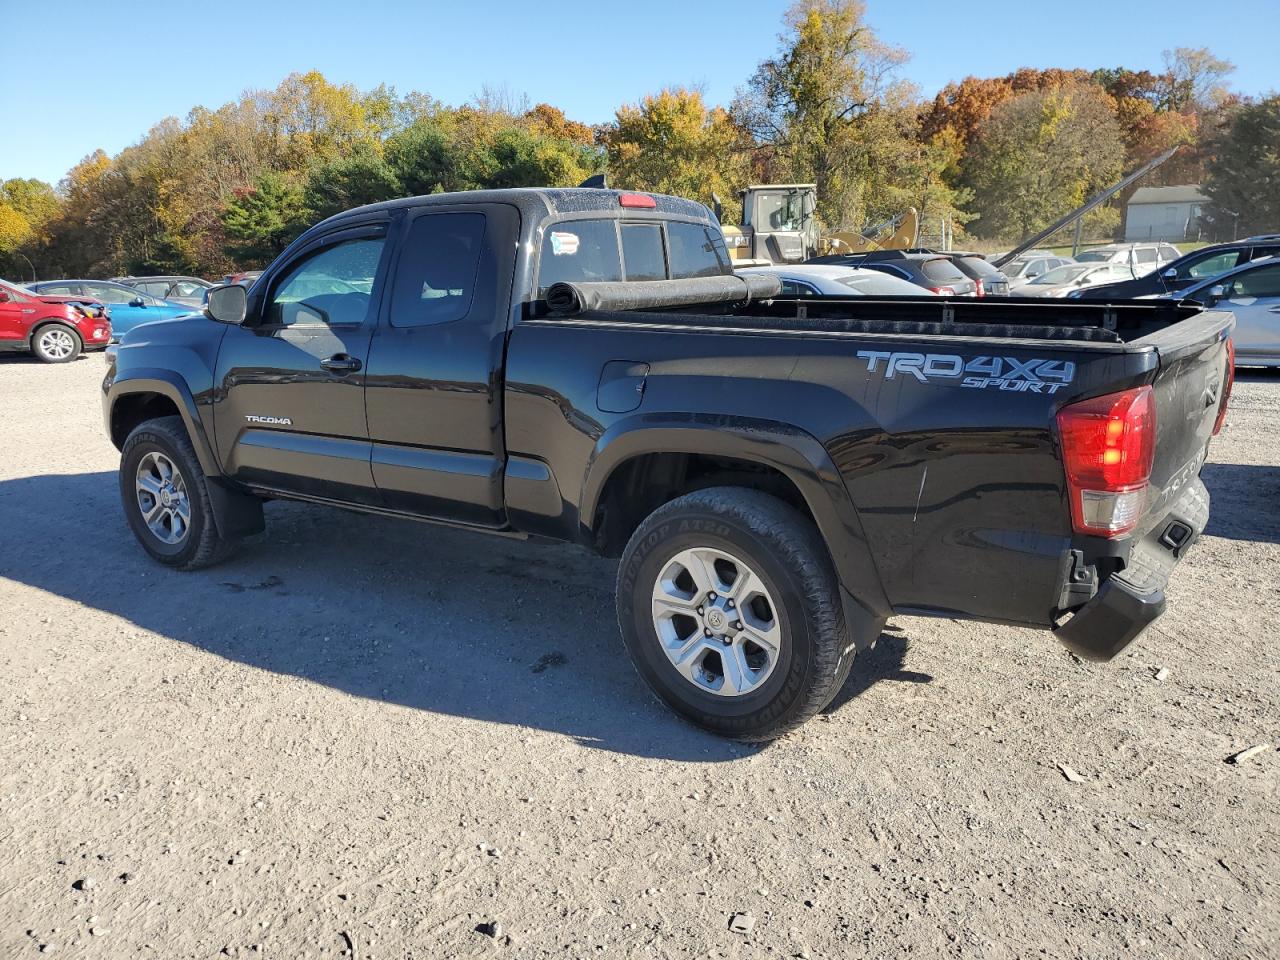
75	76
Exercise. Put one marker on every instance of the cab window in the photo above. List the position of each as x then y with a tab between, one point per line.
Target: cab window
697	250
436	277
331	286
579	251
642	256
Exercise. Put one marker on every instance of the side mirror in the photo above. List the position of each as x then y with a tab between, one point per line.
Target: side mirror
4	297
1170	274
1216	293
228	304
137	302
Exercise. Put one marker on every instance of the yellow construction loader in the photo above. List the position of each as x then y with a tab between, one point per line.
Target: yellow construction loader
780	225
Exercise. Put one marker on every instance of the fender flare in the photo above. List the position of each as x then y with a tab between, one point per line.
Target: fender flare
170	385
797	455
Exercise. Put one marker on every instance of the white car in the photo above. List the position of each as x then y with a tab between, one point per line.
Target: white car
1139	259
1061	281
830	280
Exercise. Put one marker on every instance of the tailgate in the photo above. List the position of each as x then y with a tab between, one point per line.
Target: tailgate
1189	389
1124	578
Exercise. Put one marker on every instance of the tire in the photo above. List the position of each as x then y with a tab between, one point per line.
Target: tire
779	663
56	343
193	540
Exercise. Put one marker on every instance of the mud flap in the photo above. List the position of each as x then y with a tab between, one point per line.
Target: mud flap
235	514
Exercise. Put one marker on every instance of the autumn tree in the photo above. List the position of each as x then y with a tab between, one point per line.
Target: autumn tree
823	105
1039	156
671	142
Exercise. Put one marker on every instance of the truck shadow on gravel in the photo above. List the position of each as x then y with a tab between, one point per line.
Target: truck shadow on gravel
1245	501
412	614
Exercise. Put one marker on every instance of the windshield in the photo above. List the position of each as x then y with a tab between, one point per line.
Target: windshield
1095	256
1071	271
781	211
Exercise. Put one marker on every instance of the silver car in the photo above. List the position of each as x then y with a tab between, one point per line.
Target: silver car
1061	281
1252	293
1032	264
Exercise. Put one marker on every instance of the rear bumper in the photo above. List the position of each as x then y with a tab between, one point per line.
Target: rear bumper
1128	602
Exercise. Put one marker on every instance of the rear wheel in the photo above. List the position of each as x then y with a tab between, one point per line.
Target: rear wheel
56	343
730	609
166	499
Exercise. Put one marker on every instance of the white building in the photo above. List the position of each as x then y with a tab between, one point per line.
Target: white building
1164	213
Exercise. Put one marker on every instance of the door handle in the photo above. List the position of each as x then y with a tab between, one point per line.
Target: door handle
341	363
1275	309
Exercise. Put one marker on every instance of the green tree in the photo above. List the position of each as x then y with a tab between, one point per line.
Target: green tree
1243	182
1042	154
263	221
361	176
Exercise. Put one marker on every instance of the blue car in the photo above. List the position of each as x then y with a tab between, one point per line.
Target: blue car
128	305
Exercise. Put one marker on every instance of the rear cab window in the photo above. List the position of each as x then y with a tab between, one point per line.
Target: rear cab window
608	249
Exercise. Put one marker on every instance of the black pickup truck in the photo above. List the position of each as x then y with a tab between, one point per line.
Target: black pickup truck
778	476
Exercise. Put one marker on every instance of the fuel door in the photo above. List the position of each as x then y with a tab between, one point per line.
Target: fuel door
621	386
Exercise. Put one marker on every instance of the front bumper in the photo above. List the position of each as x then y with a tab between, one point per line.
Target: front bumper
1129	601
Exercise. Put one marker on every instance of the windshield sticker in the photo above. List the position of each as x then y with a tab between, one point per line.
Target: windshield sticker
564	243
996	373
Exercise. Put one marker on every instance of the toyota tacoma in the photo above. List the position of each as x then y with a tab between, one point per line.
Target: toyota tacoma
778	476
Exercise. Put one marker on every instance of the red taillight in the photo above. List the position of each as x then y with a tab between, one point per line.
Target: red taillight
1226	387
978	292
1108	444
943	291
637	200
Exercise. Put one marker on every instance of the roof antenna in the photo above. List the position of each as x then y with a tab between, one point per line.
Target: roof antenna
596	181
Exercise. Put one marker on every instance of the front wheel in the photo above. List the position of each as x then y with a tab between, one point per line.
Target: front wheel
165	496
56	343
730	609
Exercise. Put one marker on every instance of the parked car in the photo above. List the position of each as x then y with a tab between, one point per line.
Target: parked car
1027	266
988	280
184	290
1189	270
828	280
776	487
933	271
1140	258
245	278
56	329
129	307
1062	281
1252	294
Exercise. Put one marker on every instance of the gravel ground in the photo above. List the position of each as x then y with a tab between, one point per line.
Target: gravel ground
398	741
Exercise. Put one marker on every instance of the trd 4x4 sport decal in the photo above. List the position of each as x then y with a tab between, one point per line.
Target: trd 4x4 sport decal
996	373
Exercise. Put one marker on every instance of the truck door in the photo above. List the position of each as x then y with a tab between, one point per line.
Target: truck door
290	411
434	383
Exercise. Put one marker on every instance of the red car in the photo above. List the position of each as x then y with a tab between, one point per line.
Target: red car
55	329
